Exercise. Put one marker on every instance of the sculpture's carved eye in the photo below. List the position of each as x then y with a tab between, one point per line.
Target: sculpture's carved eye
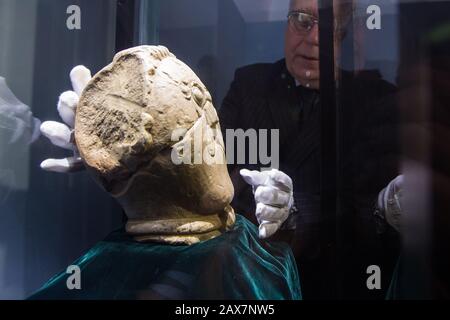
199	95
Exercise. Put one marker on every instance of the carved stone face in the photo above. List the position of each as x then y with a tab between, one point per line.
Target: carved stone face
126	122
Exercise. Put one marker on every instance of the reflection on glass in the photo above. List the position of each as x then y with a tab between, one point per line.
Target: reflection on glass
362	118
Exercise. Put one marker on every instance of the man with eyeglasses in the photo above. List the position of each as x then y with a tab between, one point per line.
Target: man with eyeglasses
285	96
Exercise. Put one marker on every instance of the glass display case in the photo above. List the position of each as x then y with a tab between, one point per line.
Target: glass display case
359	123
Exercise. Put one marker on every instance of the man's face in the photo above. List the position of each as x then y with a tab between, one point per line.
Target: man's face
302	39
302	46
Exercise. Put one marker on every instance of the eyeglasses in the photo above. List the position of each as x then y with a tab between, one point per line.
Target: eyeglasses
302	21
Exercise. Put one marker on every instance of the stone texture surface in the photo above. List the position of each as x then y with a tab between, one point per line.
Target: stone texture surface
123	129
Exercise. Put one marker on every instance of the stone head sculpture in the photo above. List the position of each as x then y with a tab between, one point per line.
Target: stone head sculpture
124	129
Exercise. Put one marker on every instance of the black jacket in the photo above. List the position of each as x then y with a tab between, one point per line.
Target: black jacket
265	96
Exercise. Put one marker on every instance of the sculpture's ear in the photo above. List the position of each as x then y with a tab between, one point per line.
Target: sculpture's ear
116	159
114	164
112	127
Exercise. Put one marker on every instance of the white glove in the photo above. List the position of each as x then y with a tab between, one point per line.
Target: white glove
273	196
389	201
60	134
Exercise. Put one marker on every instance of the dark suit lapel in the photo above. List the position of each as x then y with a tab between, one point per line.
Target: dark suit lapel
280	98
306	143
296	147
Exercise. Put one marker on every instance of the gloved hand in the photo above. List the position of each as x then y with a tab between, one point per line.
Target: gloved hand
274	198
60	134
389	202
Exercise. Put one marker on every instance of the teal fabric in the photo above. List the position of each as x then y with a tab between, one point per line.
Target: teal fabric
235	265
